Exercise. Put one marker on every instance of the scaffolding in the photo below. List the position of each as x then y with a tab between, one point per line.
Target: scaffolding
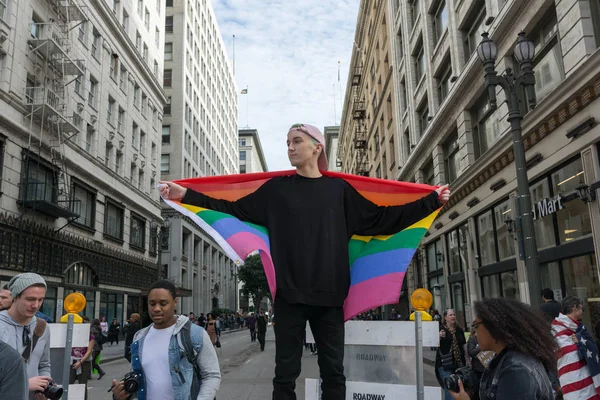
45	185
359	116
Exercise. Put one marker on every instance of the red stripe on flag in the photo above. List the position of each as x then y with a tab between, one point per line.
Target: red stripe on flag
571	367
566	350
575	386
566	332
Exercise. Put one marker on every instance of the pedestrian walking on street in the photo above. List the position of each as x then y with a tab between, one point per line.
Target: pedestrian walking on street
81	361
252	327
27	334
211	328
310	218
452	352
113	331
261	325
173	356
99	340
134	326
104	326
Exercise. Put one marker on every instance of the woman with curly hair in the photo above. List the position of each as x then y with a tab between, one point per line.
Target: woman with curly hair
525	348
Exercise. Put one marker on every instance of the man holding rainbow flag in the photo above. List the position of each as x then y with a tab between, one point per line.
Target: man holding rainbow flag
332	245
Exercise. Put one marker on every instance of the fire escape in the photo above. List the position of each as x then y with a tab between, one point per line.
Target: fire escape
359	115
45	182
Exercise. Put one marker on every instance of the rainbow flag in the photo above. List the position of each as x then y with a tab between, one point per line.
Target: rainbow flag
377	263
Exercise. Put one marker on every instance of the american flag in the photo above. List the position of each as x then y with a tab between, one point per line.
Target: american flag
578	362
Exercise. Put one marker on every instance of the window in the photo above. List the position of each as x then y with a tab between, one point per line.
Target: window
457	249
115	4
113	220
82	30
167	107
472	36
574	219
451	159
435	256
157	37
169	3
96	44
86	206
136	96
140	7
415	9
406	145
110	111
399	45
153	153
419	63
123	79
120	120
595	10
487	128
90	138
243	142
147	19
108	154
485	233
119	162
444	82
143	143
138	41
134	135
168	51
125	21
93	92
242	155
167	76
38	182
165	161
376	140
158	6
78	82
3	6
506	243
144	104
548	62
36	26
429	173
440	21
145	53
169	24
114	66
543	226
423	117
378	172
166	134
137	234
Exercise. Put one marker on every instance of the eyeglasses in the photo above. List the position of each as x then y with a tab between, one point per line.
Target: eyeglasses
475	325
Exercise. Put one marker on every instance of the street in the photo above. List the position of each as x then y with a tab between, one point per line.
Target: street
247	372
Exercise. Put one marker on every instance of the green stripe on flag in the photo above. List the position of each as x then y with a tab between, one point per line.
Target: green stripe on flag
210	216
407	239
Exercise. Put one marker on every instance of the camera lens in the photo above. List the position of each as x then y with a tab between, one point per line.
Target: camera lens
131	386
53	392
451	383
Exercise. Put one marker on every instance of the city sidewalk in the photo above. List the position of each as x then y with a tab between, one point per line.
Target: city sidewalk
116	352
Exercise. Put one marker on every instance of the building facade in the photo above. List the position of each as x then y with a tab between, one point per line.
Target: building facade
81	99
332	134
451	135
199	138
368	140
252	159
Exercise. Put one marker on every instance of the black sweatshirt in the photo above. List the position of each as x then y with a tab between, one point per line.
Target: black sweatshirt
310	222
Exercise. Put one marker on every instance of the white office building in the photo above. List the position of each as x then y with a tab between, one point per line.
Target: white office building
199	138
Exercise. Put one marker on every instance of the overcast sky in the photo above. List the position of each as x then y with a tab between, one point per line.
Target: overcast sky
287	53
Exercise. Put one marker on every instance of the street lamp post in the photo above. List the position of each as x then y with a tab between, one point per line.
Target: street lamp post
159	232
524	52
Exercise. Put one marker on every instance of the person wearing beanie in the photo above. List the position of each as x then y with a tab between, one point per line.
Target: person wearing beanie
310	218
17	327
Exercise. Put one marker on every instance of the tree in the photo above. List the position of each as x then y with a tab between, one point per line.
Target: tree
253	275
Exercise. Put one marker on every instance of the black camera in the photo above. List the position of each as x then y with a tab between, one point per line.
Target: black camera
131	382
52	391
466	375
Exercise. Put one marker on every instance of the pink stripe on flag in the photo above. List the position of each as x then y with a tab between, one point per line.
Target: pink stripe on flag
373	293
244	243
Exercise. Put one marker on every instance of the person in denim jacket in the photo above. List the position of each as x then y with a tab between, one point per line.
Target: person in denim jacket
165	372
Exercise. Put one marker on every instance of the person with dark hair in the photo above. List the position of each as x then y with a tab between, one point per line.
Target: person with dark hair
310	218
96	331
5	298
578	361
451	353
261	325
179	362
134	326
549	306
524	348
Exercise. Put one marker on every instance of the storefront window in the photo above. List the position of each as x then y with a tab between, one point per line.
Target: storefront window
453	251
550	278
49	305
491	286
506	243
438	288
574	218
111	306
458	302
463	234
487	247
510	285
581	280
544	226
434	256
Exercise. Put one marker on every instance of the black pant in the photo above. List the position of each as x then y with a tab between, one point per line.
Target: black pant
327	325
95	366
261	338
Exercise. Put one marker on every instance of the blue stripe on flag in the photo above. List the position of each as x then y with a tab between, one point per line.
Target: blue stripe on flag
230	226
379	264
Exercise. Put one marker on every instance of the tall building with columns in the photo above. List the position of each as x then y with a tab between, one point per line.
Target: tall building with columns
199	138
449	134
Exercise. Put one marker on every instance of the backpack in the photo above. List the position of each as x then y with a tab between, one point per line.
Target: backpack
185	338
100	338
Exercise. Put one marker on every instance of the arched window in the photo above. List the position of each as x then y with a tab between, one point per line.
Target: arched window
81	277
